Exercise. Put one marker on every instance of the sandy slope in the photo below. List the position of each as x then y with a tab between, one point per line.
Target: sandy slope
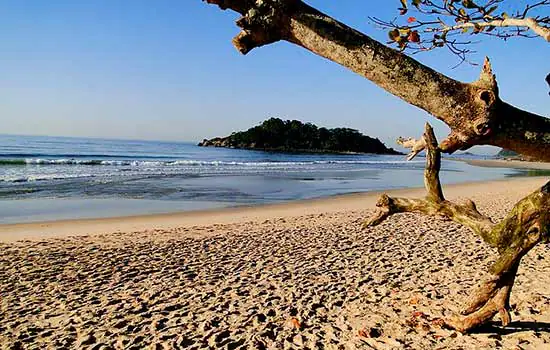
290	276
502	163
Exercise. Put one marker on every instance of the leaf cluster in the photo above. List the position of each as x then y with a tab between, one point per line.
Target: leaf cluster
424	25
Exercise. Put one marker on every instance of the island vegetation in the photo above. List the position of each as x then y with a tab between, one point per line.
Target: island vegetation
279	135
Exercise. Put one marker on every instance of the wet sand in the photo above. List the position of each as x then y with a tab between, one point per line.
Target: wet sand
298	275
503	163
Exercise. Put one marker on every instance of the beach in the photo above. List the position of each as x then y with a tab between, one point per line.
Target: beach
61	178
334	190
506	163
304	274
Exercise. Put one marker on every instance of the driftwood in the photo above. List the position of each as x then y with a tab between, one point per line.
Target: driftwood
525	226
474	112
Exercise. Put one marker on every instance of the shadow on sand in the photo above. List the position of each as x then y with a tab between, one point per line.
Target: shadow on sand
514	327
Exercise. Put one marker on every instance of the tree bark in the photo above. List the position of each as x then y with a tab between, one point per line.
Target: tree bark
473	111
525	226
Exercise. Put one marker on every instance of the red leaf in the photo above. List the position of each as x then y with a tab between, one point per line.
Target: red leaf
411	19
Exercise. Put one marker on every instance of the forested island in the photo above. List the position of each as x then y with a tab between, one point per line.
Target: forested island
280	135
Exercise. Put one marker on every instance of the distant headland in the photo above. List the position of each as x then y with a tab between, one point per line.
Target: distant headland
279	135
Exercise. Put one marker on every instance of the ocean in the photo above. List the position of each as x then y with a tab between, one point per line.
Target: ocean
51	178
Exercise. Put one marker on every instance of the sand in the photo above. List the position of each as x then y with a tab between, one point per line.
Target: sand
508	163
290	276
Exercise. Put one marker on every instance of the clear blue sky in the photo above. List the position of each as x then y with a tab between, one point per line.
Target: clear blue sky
166	70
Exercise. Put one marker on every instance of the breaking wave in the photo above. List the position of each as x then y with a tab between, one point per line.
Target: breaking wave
215	163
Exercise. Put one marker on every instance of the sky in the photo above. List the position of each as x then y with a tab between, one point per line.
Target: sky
166	70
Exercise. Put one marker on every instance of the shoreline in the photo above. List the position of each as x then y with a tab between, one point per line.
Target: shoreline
197	194
236	214
502	163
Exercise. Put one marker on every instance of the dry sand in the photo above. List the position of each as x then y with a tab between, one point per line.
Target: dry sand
300	275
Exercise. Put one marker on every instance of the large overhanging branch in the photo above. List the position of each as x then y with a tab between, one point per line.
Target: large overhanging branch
473	111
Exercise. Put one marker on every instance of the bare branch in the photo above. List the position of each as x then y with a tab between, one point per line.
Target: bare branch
530	23
416	146
437	24
524	227
434	203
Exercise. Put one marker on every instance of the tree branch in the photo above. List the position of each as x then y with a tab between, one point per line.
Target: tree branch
416	146
433	166
435	203
530	23
526	225
473	111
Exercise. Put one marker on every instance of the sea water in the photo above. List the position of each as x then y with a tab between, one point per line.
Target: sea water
50	178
